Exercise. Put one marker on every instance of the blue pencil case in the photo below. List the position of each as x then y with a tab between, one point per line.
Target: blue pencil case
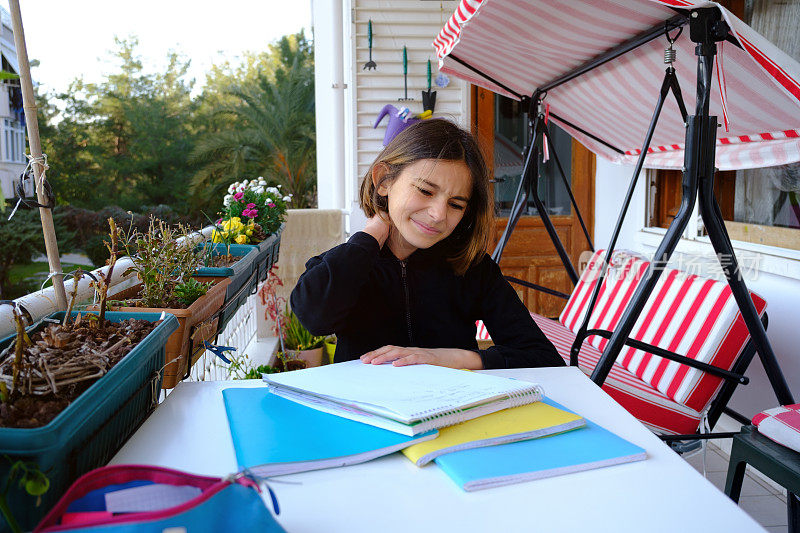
142	498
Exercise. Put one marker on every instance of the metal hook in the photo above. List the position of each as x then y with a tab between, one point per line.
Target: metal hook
672	40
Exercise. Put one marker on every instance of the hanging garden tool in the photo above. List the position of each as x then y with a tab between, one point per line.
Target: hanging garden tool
370	65
405	76
429	97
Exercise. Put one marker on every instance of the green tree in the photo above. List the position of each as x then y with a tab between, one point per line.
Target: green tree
264	127
20	239
126	140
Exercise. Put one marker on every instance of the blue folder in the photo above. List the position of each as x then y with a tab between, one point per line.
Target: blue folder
274	436
573	451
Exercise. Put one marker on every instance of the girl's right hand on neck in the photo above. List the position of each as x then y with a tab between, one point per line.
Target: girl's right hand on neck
378	226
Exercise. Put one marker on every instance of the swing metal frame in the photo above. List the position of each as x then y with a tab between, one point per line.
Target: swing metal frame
706	29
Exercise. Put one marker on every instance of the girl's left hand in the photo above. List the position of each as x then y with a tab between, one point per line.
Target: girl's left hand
400	356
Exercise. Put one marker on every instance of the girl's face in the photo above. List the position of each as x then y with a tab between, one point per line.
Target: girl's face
427	200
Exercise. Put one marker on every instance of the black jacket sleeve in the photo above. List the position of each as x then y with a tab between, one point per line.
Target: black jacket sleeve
332	281
518	341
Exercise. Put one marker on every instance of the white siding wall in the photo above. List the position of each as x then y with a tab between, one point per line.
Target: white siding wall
395	23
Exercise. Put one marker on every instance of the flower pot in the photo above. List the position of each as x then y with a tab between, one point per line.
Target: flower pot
268	250
330	349
242	272
93	427
185	339
312	357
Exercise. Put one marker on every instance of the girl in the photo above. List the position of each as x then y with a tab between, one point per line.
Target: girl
410	286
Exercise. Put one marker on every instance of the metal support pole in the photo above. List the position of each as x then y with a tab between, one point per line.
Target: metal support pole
568	188
718	235
529	187
705	28
670	82
521	198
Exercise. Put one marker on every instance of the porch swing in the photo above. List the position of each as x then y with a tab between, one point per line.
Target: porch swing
590	66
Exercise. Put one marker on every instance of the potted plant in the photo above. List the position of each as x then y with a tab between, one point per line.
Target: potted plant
253	214
236	262
164	266
298	342
73	387
330	347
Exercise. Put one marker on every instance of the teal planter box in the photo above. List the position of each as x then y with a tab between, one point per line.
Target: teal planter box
242	272
92	428
268	253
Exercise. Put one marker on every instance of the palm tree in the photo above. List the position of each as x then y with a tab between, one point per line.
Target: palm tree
272	131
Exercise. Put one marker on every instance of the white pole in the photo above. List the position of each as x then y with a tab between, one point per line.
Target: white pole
29	105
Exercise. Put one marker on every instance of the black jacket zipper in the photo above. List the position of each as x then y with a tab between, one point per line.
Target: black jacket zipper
408	301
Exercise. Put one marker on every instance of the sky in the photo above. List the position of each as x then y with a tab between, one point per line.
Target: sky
72	39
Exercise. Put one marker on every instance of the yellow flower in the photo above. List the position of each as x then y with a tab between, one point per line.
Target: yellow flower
241	239
216	237
232	224
249	232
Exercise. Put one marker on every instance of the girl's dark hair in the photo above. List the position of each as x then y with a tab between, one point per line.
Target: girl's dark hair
439	139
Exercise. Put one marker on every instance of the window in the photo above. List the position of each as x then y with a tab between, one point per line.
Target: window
13	139
511	136
761	205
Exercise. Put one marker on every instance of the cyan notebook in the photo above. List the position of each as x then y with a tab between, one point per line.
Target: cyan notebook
274	436
573	451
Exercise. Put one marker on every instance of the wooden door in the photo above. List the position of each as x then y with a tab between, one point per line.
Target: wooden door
530	254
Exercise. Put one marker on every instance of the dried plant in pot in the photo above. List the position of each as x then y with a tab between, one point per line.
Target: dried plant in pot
73	387
164	263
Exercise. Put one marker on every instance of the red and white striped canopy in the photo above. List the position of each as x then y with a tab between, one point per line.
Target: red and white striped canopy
525	44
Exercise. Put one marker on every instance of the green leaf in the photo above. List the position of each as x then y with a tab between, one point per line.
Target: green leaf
35	482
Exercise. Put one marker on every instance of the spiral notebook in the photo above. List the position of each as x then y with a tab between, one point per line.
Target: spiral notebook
410	399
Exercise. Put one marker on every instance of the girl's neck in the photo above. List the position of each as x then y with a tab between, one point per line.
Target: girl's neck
400	247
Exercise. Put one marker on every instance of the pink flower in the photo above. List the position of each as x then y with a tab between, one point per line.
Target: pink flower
254	213
219	221
238	195
271	204
251	205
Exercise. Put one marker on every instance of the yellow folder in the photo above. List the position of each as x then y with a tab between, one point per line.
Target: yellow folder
509	425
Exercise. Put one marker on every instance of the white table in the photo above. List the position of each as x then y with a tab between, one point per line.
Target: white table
189	431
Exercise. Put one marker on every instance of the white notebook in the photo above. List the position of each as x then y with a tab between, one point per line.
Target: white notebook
407	399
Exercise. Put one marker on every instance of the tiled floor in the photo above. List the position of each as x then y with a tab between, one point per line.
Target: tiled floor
765	503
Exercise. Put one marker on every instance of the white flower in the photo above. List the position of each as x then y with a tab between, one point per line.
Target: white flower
287	198
259	190
227	200
261	181
231	189
273	190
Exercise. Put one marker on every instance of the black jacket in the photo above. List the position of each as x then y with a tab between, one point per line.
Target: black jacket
370	299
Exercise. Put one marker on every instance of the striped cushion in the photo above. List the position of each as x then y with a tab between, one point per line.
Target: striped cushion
622	277
685	314
481	333
654	409
692	316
